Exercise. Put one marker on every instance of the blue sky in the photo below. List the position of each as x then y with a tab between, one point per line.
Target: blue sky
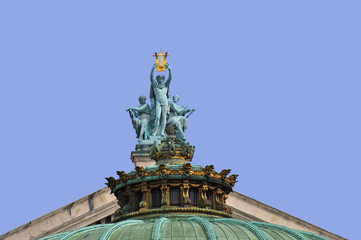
276	87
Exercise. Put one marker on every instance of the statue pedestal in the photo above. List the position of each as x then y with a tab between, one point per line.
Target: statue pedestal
140	157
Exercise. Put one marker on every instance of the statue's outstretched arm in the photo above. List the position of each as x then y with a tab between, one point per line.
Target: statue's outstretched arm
167	83
152	75
132	111
184	111
140	108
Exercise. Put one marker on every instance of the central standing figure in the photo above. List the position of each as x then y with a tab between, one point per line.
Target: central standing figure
160	96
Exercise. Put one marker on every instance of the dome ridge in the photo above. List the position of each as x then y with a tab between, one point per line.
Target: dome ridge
207	227
313	235
115	227
158	228
290	231
83	230
254	229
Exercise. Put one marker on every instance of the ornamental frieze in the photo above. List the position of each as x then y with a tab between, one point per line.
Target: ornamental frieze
164	170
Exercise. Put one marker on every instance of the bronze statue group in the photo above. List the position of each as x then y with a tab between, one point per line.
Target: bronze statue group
152	121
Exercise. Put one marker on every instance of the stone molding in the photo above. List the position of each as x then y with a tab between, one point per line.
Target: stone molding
81	213
141	158
253	210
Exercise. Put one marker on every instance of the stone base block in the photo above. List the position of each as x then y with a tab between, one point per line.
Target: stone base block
142	158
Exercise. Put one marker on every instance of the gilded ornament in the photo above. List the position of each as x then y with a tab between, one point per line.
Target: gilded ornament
170	129
223	174
187	168
161	60
163	170
208	170
112	183
122	176
185	191
165	191
228	210
170	149
143	204
232	179
140	172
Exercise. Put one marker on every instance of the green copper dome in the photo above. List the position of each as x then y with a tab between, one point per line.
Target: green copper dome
186	227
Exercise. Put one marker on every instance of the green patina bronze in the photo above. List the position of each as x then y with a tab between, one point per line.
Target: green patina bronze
207	227
186	227
251	227
177	117
141	124
150	123
113	229
160	100
268	228
158	228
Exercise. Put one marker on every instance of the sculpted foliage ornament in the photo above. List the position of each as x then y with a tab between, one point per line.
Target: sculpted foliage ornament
163	170
187	169
232	179
112	183
172	148
140	172
122	176
208	170
224	173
